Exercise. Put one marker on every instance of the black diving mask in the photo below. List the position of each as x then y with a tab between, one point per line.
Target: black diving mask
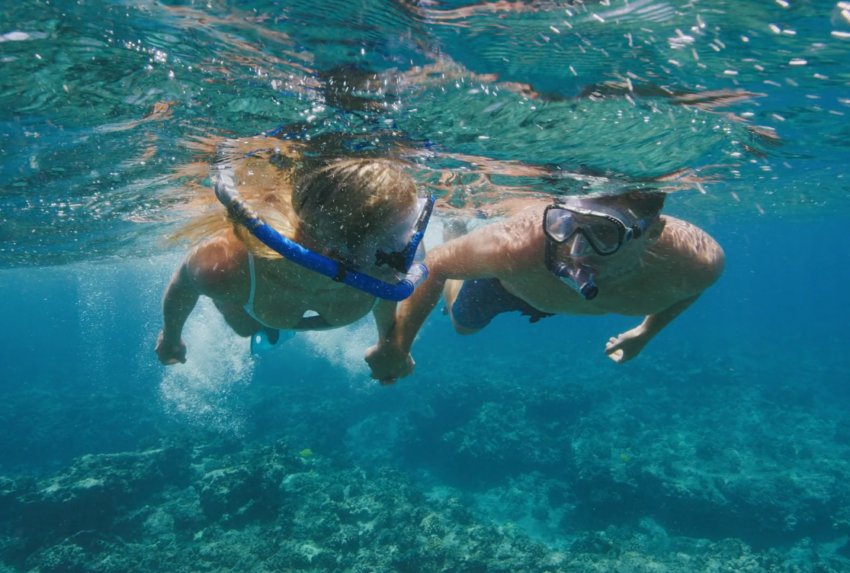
603	229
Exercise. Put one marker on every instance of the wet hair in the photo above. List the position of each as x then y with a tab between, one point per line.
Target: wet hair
639	204
347	201
337	202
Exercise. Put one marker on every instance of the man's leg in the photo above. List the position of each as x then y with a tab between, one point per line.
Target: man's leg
450	293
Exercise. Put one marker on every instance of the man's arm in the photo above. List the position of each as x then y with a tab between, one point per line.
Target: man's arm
472	256
476	255
629	344
694	261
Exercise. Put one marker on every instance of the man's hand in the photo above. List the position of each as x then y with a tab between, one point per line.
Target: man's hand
627	345
388	363
170	352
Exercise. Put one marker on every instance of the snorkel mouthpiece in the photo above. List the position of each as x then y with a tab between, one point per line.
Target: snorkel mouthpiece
579	278
415	276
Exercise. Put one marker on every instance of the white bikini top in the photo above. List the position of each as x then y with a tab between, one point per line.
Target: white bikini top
311	321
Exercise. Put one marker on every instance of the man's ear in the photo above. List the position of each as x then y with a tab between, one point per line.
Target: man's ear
653	232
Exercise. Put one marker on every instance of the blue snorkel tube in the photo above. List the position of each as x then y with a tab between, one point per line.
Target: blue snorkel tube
225	191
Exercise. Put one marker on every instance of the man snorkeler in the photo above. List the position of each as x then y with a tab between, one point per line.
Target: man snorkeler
351	231
591	256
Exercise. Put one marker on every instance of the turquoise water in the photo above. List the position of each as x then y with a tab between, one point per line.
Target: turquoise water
723	447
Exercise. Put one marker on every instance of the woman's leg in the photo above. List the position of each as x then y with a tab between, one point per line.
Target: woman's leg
236	317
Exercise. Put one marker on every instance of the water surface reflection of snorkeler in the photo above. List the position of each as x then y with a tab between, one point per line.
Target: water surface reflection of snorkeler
360	217
614	254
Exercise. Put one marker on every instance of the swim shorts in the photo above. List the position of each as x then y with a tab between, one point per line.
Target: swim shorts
481	300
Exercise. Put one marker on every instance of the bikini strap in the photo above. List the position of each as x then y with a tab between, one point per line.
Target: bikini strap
250	303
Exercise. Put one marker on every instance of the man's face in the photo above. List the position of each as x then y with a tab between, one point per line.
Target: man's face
624	260
576	251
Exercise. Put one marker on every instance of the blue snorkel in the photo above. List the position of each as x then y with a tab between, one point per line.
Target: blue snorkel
225	191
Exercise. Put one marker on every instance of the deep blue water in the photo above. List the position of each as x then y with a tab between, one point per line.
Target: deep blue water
80	377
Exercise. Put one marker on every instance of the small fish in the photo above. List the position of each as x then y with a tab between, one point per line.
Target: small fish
306	453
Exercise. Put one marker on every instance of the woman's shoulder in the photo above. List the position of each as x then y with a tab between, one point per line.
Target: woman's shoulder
218	265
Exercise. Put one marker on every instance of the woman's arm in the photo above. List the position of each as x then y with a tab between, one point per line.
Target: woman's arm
177	304
384	313
211	269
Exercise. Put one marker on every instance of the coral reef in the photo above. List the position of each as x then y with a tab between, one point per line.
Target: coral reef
268	508
708	454
483	465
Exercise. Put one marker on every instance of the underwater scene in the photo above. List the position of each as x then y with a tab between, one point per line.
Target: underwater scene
629	353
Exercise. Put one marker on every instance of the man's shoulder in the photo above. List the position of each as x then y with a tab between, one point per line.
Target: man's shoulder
688	237
697	252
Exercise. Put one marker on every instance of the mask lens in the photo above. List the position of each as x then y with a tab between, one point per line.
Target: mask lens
580	247
419	255
606	234
402	257
560	224
601	233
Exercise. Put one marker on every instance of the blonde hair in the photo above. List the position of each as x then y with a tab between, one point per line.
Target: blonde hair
341	202
349	200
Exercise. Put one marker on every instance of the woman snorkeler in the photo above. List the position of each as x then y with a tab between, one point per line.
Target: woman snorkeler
349	230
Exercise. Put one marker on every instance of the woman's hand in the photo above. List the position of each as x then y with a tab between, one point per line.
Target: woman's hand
170	352
388	363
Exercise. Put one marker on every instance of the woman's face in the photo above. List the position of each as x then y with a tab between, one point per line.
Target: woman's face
327	236
391	239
